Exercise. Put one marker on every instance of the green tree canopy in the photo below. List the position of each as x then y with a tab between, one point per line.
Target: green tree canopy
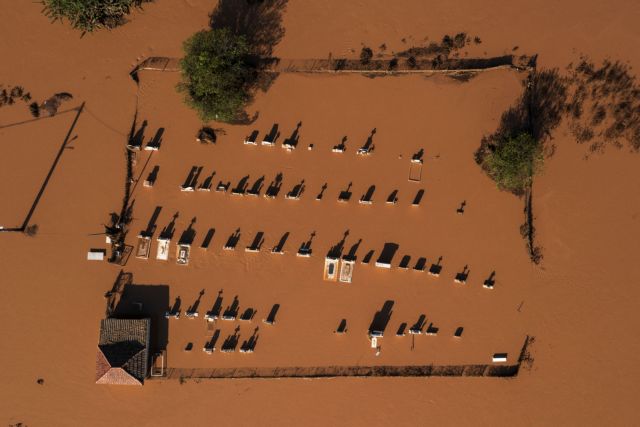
513	161
88	15
216	74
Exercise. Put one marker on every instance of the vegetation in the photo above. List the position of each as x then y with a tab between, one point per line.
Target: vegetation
463	76
34	108
365	55
513	154
53	103
206	135
217	75
89	15
448	45
604	105
31	230
10	95
513	162
454	42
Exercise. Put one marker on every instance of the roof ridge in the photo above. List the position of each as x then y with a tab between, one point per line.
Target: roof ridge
118	376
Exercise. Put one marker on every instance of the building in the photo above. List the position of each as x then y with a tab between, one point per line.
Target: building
123	351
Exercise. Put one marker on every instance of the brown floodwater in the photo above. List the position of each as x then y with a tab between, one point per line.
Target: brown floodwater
579	304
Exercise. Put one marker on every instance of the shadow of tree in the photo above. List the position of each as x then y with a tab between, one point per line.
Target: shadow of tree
259	21
601	104
537	112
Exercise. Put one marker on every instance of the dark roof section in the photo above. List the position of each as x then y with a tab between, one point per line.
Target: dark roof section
123	351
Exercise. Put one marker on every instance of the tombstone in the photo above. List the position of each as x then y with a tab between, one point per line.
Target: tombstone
418	198
499	358
342	327
252	138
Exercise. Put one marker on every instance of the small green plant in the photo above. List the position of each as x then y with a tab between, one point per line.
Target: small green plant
89	15
216	74
513	161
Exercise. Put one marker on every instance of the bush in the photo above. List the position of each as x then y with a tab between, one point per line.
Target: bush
216	74
456	42
460	40
89	15
206	135
31	230
365	55
10	95
53	103
35	109
513	162
447	42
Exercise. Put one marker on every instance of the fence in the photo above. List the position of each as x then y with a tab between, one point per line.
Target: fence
378	66
482	370
346	371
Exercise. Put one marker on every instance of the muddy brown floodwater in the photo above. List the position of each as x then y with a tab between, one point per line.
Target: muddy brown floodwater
580	304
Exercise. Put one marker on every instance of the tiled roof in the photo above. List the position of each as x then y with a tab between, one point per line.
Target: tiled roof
114	331
122	356
118	376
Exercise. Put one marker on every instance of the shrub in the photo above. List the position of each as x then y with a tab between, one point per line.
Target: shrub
459	40
35	109
89	15
456	42
447	42
216	74
10	95
206	135
31	230
365	55
53	103
513	161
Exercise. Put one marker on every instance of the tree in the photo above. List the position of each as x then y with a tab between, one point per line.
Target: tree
216	74
89	15
513	161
